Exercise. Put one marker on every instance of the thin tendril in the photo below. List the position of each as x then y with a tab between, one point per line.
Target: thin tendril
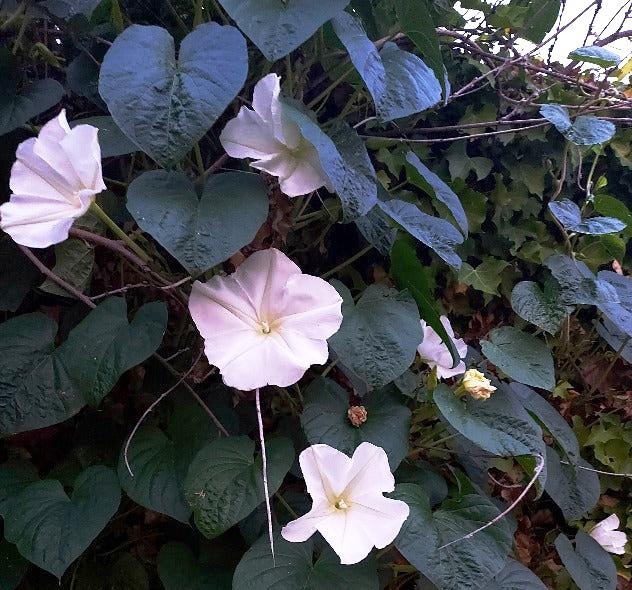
265	472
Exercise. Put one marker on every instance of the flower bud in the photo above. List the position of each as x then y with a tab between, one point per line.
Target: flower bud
357	415
477	385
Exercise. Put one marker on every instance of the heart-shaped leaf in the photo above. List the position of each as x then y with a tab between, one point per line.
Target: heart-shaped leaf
515	576
570	216
543	309
17	277
224	483
163	104
584	130
51	529
199	232
588	564
178	569
277	27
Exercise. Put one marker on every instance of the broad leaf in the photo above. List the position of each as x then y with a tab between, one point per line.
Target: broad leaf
539	19
325	420
224	483
569	215
377	229
17	277
618	312
379	335
178	569
584	130
163	104
558	115
51	529
422	474
515	576
199	232
522	356
588	563
618	340
295	567
542	308
19	108
112	140
14	477
486	277
12	566
278	27
594	54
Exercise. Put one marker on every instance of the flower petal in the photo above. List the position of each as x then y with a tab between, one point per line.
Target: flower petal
370	472
378	518
307	176
265	93
82	149
303	528
325	471
346	538
248	136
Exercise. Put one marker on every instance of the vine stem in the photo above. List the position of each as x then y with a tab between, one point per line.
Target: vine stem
264	460
117	231
504	513
346	263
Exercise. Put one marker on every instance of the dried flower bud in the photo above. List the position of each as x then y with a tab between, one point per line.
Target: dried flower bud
477	385
357	415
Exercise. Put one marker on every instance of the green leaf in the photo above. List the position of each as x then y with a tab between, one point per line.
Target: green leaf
522	356
112	140
574	490
463	565
224	483
294	567
618	312
434	232
570	216
51	529
14	477
539	19
377	229
12	566
618	341
588	564
66	9
325	420
427	180
584	130
344	162
128	573
461	164
498	425
542	308
17	277
611	207
178	569
166	105
593	54
423	474
277	27
515	576
379	335
399	82
486	277
16	109
409	274
199	232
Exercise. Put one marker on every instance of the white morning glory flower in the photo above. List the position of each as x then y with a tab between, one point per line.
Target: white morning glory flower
435	353
607	535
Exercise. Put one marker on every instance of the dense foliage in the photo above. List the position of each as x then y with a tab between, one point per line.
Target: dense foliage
449	173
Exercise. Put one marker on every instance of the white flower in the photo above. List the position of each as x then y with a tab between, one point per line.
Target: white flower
477	385
53	182
607	535
267	323
348	508
435	353
274	141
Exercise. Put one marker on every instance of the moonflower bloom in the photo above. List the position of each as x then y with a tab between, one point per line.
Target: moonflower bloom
477	385
348	508
53	182
267	323
435	353
607	535
275	142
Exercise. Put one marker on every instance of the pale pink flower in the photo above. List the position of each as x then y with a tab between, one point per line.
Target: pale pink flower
267	323
435	353
348	506
53	182
607	535
274	142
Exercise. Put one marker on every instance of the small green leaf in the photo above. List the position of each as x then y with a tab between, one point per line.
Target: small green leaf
523	357
588	564
594	54
486	277
178	569
542	308
584	130
569	215
51	529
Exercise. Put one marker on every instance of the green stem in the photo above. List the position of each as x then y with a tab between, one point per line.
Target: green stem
330	88
285	505
118	232
346	263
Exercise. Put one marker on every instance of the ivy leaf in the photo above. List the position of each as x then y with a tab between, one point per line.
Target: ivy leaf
325	420
434	232
379	335
13	566
611	207
178	569
224	482
19	108
199	232
594	54
541	308
112	140
163	104
522	356
569	215
588	563
278	27
295	567
51	529
486	277
461	164
515	576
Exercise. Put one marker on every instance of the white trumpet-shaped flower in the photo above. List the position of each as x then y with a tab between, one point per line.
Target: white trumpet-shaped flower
53	182
348	509
267	323
607	535
265	134
435	353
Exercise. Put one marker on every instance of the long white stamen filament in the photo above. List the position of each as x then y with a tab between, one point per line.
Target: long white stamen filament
265	473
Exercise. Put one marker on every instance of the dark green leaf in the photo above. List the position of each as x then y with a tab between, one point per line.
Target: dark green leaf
515	576
422	474
379	335
52	530
618	341
166	105
178	569
14	477
593	54
377	229
486	277
569	215
17	109
539	19
588	564
112	140
584	130
12	566
68	8
199	232
520	355
618	312
17	277
542	308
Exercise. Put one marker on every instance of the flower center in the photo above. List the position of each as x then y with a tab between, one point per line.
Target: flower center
340	504
265	328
